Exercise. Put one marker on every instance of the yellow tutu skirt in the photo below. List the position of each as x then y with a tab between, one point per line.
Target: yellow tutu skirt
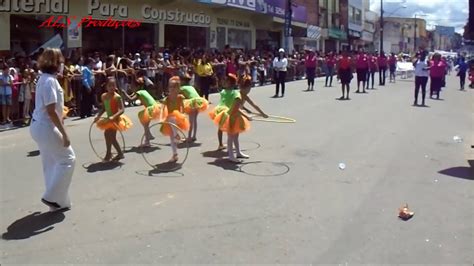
232	125
151	113
198	103
181	121
217	110
122	124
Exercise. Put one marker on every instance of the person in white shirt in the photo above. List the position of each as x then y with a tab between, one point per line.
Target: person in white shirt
280	64
47	130
421	77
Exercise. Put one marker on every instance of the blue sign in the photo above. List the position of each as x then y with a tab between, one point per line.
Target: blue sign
244	4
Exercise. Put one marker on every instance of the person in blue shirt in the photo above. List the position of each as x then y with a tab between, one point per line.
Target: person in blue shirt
462	69
87	90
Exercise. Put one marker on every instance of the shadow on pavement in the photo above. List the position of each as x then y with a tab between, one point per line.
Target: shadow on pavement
33	224
102	166
141	150
226	165
460	171
159	173
214	154
256	168
33	153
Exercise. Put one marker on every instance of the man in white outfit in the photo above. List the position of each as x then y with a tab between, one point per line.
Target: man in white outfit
47	130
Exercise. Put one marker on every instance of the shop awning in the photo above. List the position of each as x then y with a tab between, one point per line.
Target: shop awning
55	42
293	23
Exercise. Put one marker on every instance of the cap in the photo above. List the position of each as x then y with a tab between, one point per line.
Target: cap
281	50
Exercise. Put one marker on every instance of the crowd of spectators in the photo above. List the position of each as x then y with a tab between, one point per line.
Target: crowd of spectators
84	74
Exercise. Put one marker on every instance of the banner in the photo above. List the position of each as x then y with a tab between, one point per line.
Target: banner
277	8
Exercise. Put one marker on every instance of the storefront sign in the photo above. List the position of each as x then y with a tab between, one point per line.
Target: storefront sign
245	4
74	32
35	6
336	33
106	9
277	8
367	36
354	33
232	23
176	15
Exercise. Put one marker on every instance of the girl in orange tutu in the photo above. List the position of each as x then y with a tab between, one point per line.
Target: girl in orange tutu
175	106
152	110
192	105
234	121
115	120
228	94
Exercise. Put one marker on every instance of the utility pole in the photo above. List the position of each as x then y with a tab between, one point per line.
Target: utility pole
414	37
381	26
288	15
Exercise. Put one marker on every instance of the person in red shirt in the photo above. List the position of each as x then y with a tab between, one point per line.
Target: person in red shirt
372	69
344	70
310	65
330	63
392	65
382	63
437	72
362	67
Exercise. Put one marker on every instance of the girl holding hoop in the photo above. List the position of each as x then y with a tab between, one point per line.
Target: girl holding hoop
192	105
175	107
228	94
152	110
115	120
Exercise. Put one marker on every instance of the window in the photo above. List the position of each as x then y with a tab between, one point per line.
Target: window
358	16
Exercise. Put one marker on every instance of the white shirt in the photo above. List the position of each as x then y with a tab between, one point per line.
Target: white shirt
48	91
419	71
280	65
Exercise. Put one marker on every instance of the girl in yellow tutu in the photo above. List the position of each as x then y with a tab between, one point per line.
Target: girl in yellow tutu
152	111
228	94
175	107
192	105
115	120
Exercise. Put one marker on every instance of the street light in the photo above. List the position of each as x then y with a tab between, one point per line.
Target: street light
403	2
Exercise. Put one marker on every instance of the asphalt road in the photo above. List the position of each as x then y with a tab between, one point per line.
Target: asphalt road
289	203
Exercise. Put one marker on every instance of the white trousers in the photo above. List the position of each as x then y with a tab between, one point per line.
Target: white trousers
58	162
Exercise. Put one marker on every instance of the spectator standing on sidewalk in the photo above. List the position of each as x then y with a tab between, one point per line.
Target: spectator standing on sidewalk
310	65
280	64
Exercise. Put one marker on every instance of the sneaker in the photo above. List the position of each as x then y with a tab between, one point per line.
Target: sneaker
242	156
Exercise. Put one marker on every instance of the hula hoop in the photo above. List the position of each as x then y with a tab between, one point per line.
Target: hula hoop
92	145
155	165
272	119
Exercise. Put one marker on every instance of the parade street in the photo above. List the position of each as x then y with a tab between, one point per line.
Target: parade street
325	189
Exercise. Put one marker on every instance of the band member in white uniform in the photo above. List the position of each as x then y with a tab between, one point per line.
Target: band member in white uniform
47	130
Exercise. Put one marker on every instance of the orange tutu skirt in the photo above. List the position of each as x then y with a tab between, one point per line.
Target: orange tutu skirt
151	113
198	103
180	120
122	124
65	111
232	125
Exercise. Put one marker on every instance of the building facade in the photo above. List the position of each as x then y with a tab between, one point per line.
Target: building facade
246	24
400	33
356	24
331	22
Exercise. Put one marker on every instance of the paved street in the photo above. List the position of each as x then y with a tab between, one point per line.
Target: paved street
289	203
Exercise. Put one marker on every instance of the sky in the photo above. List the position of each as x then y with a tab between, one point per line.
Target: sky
436	12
